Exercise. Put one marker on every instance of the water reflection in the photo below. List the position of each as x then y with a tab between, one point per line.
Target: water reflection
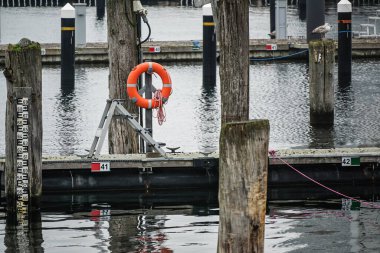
345	95
150	238
165	222
121	229
316	192
208	112
24	239
337	225
128	200
67	120
345	108
322	136
139	221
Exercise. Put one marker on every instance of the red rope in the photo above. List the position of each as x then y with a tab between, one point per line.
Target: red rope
160	110
273	154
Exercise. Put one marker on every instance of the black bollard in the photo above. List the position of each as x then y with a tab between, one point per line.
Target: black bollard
272	11
344	42
209	47
100	9
67	45
315	16
302	9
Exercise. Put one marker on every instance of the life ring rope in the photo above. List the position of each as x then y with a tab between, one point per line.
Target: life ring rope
160	111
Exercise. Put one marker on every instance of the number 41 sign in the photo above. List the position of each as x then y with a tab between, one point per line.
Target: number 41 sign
350	161
100	167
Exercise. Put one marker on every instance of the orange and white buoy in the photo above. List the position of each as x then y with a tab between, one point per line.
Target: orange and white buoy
159	99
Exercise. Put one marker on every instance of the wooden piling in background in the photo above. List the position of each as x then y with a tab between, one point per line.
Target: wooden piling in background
23	130
243	166
123	57
321	85
233	23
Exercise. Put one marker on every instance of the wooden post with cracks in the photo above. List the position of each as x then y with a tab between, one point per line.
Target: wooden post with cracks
123	56
243	169
23	129
233	23
321	88
243	144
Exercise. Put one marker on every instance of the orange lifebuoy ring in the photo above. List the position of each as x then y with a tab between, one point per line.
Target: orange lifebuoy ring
133	93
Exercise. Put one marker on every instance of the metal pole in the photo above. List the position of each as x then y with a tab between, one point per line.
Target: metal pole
344	42
315	16
80	24
148	112
67	46
281	12
140	60
209	47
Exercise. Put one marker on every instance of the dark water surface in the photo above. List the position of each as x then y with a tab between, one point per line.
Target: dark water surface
279	92
149	222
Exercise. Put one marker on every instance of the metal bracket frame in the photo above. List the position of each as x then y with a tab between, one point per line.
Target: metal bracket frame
114	107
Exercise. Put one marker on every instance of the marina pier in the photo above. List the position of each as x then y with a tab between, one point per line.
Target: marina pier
341	167
184	51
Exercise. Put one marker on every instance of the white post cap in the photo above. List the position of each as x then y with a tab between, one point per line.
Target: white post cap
68	11
207	10
344	6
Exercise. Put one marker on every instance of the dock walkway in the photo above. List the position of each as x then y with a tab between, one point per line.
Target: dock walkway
187	51
346	166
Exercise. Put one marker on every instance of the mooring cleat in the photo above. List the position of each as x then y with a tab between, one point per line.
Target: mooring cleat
83	156
205	153
173	150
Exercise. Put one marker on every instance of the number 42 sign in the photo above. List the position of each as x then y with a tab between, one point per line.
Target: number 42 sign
350	161
100	167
